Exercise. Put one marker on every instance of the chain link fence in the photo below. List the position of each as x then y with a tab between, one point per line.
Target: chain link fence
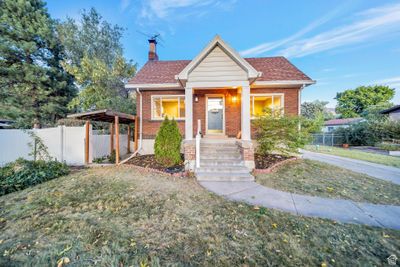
328	139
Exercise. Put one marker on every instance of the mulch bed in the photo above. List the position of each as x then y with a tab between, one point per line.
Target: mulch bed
149	162
265	162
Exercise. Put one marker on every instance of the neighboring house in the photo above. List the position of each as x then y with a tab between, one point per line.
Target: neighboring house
331	125
394	113
218	89
6	123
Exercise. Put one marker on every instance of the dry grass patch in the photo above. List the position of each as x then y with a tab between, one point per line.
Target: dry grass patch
314	178
121	217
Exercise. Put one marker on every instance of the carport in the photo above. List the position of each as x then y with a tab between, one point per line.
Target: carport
115	119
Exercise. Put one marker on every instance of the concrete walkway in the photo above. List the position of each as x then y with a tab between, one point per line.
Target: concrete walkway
345	211
379	171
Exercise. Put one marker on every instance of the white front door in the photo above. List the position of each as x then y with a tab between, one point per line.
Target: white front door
215	114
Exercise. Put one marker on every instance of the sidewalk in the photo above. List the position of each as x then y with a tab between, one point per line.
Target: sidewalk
345	211
387	173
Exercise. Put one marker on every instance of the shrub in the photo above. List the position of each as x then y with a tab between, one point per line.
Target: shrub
22	173
283	133
112	157
369	132
389	146
167	145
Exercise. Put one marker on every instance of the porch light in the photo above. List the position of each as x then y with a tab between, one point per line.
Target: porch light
234	99
196	98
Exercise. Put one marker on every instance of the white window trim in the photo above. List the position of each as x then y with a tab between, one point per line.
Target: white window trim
282	95
153	118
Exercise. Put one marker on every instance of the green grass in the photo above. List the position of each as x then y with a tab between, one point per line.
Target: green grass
116	216
314	178
353	154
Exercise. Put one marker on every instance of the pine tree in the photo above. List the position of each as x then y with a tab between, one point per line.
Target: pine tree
168	143
34	88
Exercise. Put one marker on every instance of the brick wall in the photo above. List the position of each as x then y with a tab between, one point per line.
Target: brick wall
232	109
150	127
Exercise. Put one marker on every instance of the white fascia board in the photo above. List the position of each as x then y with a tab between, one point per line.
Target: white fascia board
213	85
291	82
153	85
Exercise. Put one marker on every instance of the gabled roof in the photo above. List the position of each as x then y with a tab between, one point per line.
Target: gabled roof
342	121
264	69
272	69
389	110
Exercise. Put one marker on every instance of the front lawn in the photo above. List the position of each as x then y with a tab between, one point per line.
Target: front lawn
116	216
353	154
315	178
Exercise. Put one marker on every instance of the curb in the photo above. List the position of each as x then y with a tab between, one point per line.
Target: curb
273	168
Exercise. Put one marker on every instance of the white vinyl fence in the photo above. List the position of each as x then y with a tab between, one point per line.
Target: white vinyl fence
66	144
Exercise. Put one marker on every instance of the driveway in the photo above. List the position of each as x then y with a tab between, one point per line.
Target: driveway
379	171
341	210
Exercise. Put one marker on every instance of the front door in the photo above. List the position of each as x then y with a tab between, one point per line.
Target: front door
215	115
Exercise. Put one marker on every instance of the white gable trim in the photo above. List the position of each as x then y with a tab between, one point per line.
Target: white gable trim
251	72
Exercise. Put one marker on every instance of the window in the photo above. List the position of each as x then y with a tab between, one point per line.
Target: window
259	103
171	106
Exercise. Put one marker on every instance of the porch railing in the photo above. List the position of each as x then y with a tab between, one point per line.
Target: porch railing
198	138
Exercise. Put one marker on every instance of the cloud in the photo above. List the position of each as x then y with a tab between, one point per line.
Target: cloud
262	48
168	9
393	82
124	4
370	24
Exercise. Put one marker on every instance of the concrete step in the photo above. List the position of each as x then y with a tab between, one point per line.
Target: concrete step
220	156
207	144
221	162
223	177
219	150
223	169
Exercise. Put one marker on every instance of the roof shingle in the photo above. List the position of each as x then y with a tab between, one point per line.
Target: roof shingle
272	68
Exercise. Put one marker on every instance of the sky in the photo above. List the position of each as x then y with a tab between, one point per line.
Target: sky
340	44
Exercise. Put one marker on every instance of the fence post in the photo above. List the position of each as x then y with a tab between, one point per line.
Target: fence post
61	128
332	139
323	139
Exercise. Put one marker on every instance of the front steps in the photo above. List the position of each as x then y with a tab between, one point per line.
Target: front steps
220	160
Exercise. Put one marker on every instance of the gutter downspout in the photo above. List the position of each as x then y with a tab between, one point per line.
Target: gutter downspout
140	129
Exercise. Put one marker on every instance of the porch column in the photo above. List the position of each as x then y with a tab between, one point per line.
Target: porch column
246	113
188	113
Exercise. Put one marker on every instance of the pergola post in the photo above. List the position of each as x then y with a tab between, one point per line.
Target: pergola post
111	138
136	133
116	140
87	136
129	139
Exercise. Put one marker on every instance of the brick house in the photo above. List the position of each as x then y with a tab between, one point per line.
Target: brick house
217	93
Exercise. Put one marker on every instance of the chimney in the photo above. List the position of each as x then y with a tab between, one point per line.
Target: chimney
152	50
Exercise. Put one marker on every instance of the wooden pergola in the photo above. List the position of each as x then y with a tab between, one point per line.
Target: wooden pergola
114	118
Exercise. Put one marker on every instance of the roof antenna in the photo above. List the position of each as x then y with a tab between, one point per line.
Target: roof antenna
154	37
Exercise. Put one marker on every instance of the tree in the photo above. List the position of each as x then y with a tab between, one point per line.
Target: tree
94	58
34	88
352	103
284	133
91	36
312	110
102	86
167	145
